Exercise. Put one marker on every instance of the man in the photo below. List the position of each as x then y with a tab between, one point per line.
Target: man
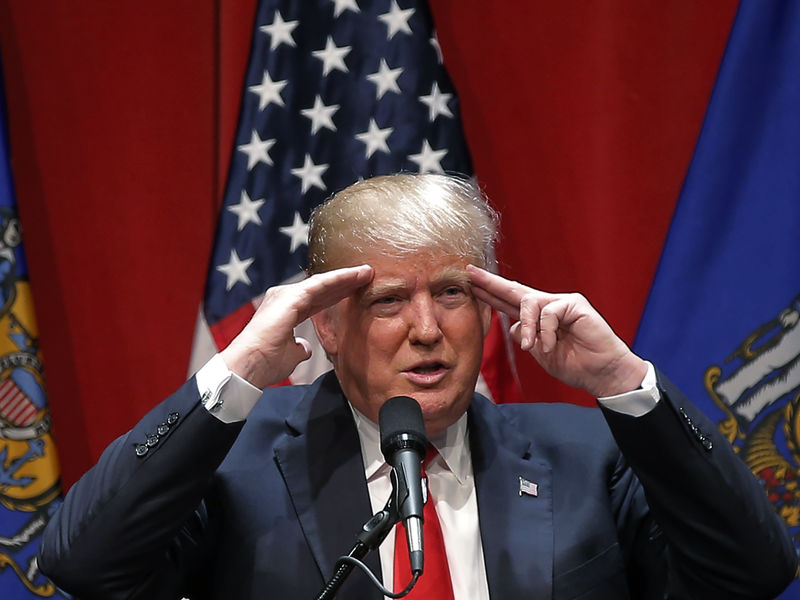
539	501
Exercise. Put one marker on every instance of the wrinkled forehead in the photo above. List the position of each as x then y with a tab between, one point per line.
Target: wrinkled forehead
405	275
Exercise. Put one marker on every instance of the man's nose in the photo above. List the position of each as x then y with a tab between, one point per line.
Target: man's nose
424	321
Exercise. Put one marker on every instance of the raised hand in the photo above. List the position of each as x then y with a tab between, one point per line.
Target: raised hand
565	334
266	351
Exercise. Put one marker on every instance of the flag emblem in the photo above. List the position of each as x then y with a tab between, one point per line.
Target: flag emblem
29	474
15	407
758	389
528	488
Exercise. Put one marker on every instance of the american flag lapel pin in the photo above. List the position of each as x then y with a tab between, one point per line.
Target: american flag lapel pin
528	488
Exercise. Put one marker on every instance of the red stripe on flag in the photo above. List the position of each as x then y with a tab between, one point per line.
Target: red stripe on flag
5	384
229	327
9	395
15	406
497	366
26	415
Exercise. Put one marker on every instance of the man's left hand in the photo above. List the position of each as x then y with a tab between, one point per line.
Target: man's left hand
564	333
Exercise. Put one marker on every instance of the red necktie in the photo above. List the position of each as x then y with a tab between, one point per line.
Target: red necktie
434	583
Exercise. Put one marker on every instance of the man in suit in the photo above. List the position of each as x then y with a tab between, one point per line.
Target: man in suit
641	499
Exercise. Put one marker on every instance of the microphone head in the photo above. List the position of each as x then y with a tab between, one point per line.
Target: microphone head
402	426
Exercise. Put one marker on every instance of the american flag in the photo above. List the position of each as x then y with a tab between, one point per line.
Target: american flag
528	488
336	91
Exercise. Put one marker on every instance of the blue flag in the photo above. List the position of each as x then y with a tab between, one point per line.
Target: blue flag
29	473
723	316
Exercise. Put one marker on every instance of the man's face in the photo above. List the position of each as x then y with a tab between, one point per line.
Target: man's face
416	330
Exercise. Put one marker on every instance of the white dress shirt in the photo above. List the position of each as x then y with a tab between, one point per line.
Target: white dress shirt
452	487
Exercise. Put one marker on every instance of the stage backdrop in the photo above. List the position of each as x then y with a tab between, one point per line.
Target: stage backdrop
581	119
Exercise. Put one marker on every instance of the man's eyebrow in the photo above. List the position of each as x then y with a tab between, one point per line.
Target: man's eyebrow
452	275
381	288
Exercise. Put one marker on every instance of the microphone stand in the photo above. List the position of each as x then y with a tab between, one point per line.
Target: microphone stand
372	534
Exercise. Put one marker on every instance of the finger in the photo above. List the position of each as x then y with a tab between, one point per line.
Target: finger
495	290
293	354
512	310
499	287
553	316
305	346
297	350
326	289
529	315
548	330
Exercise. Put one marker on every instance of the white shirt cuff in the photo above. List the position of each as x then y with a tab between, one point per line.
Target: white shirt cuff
224	394
638	402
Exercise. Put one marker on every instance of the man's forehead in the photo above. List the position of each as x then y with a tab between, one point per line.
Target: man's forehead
402	278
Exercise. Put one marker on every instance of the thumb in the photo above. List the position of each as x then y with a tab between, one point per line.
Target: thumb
302	349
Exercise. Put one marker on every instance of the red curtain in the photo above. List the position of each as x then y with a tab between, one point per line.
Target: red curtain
581	117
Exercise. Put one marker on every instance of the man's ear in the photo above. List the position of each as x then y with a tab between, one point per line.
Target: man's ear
325	326
486	317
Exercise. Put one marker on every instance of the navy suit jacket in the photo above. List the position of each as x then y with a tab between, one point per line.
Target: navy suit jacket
185	505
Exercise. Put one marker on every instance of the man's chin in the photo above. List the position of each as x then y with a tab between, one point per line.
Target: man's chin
439	413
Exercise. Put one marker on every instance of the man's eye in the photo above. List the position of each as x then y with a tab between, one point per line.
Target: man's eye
453	295
386	305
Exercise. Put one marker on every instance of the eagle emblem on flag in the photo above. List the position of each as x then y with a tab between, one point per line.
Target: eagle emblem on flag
758	389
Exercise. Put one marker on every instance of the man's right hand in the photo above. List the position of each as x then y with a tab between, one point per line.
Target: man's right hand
266	351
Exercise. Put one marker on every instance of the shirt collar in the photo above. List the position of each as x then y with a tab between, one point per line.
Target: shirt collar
452	446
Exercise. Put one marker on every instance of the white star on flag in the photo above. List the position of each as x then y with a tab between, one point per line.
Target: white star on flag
386	79
235	270
247	211
436	102
280	31
268	91
375	138
343	5
310	174
257	150
297	232
332	57
320	115
397	19
429	160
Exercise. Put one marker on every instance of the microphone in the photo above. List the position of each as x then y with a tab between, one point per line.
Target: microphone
403	443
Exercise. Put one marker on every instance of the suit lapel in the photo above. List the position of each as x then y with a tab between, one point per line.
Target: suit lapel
516	529
323	470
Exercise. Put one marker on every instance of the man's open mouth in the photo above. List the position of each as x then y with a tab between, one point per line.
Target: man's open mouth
429	368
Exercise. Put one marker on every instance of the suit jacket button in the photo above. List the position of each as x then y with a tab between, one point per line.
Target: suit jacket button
707	443
163	428
141	449
152	440
172	418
